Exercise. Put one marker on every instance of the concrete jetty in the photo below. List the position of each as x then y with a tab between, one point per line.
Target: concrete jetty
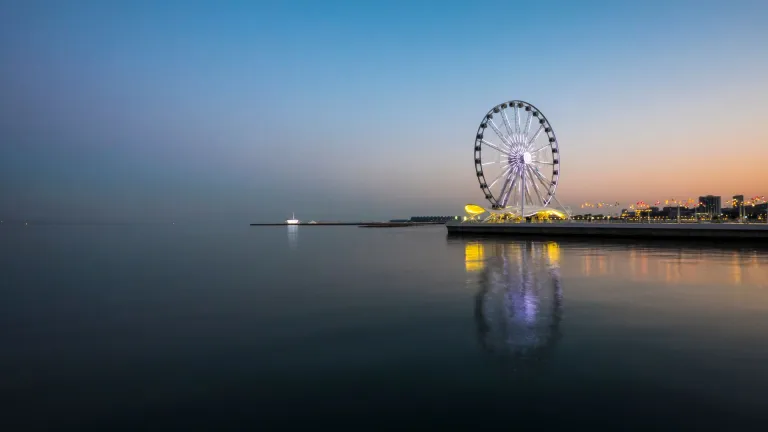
720	231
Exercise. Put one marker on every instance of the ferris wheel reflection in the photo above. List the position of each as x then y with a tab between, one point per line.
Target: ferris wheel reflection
519	302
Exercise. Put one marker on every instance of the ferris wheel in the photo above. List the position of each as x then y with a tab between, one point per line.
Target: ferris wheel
517	158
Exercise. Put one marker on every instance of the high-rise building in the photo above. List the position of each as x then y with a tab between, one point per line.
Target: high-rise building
710	205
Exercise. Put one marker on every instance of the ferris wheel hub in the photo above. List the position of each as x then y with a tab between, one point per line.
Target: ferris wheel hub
527	159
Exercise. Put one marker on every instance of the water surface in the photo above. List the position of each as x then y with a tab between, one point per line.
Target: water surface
215	327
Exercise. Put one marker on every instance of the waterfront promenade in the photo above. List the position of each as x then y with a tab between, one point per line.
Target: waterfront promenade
721	231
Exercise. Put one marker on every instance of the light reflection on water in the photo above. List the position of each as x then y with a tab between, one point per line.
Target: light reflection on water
293	236
672	263
518	305
688	292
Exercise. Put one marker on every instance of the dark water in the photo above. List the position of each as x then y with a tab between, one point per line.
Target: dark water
245	328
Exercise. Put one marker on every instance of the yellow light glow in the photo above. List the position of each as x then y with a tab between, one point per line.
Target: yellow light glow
551	212
474	209
553	253
474	255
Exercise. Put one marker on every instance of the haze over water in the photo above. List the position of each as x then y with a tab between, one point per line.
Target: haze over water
141	327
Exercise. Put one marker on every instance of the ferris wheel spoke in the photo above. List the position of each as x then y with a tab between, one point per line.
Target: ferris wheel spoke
528	188
528	193
535	186
547	185
506	122
522	191
528	125
505	197
503	191
533	140
540	148
509	186
517	119
498	177
501	135
540	176
493	146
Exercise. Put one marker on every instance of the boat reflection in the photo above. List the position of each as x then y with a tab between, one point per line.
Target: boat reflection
293	236
518	306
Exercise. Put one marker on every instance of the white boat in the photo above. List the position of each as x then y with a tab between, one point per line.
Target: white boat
292	220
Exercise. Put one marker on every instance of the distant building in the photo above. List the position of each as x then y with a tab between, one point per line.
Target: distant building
434	219
710	204
669	211
737	210
761	211
758	211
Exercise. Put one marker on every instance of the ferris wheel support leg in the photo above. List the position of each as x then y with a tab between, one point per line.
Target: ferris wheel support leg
522	201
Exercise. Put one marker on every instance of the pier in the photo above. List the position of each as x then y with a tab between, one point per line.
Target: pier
615	230
359	224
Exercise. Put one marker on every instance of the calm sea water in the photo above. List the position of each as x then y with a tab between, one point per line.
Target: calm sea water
247	328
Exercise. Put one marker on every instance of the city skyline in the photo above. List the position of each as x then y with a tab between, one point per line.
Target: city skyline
136	111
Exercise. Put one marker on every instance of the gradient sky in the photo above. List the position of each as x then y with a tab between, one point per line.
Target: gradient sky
240	111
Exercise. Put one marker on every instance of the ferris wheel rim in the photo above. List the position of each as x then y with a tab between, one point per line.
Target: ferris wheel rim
519	143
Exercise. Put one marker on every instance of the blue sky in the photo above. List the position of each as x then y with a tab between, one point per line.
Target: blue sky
247	111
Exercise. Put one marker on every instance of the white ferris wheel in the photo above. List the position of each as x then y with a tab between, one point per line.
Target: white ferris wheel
517	158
